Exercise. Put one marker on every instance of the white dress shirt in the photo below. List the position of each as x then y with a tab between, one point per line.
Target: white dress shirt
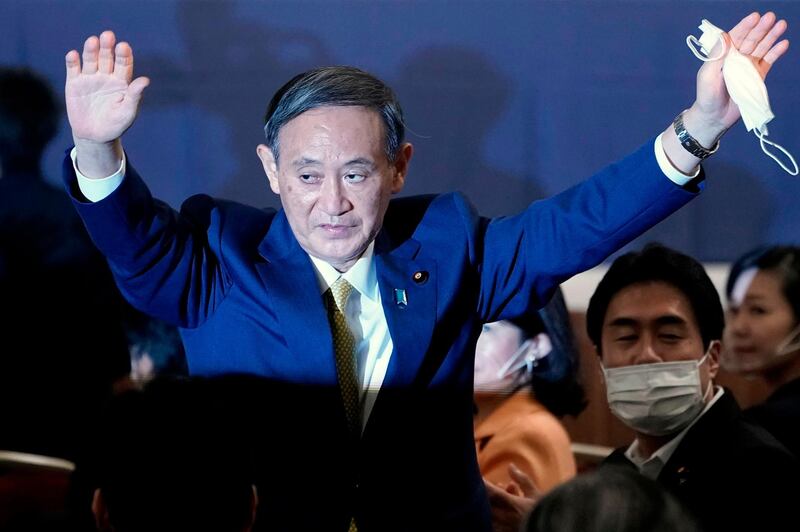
651	466
366	319
364	312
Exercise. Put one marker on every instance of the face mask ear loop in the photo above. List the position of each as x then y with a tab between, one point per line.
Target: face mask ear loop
514	362
790	344
763	140
692	40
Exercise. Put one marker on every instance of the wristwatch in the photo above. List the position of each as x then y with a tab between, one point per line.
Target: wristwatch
690	143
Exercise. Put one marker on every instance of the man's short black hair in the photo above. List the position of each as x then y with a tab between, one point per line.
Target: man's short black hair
335	86
657	263
29	117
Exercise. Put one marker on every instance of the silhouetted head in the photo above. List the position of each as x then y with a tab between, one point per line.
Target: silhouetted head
29	117
173	458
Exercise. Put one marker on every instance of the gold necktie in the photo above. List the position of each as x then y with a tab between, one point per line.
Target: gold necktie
344	346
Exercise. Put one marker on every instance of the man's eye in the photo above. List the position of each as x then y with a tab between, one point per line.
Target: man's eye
308	178
626	338
354	178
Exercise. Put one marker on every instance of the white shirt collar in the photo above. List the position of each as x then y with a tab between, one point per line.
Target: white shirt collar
658	459
361	275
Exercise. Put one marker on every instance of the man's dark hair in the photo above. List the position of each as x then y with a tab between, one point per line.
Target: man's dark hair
610	499
783	261
172	457
335	86
29	117
657	263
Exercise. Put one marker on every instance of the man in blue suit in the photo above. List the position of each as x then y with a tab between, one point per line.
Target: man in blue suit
361	312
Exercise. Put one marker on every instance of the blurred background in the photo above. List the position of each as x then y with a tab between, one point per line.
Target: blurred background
508	101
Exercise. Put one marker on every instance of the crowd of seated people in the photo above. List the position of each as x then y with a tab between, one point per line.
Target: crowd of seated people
68	336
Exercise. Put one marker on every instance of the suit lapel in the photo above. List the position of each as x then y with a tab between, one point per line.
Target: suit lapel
409	304
293	292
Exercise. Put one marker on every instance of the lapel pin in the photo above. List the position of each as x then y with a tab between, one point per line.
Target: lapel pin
400	298
420	277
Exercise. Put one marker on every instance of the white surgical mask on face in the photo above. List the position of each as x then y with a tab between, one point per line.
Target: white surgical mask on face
656	399
745	86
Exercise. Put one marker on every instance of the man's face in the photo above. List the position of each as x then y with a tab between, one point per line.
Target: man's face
334	180
654	322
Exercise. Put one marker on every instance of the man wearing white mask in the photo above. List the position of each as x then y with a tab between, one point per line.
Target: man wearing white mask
656	322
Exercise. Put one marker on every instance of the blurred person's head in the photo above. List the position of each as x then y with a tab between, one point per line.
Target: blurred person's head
656	322
610	499
536	350
29	118
173	458
762	332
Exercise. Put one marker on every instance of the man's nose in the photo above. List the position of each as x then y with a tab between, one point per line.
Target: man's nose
333	197
647	353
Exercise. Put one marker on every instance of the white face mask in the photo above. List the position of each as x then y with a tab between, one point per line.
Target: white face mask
744	85
656	399
497	373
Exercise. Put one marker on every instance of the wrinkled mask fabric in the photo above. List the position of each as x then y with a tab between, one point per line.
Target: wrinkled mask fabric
656	399
745	86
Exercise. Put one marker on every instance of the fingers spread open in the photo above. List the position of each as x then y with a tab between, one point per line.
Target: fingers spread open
105	63
73	62
776	52
136	88
758	32
740	31
91	49
766	43
123	62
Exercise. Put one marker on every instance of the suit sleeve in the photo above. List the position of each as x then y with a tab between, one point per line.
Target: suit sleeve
166	263
521	259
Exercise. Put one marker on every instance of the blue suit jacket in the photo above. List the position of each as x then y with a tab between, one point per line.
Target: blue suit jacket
236	281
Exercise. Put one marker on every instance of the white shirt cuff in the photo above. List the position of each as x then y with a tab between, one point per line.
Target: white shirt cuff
674	175
97	189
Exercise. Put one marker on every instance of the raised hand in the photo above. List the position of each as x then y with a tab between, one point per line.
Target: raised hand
713	110
102	102
754	36
102	97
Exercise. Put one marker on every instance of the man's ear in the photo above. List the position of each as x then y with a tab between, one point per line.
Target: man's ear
100	511
401	163
270	166
599	364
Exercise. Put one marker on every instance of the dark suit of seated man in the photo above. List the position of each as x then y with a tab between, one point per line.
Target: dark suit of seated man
656	321
371	304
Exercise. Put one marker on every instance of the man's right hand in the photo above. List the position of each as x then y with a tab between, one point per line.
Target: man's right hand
102	100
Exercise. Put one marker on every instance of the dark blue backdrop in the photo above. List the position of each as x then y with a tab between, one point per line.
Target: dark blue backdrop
507	101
